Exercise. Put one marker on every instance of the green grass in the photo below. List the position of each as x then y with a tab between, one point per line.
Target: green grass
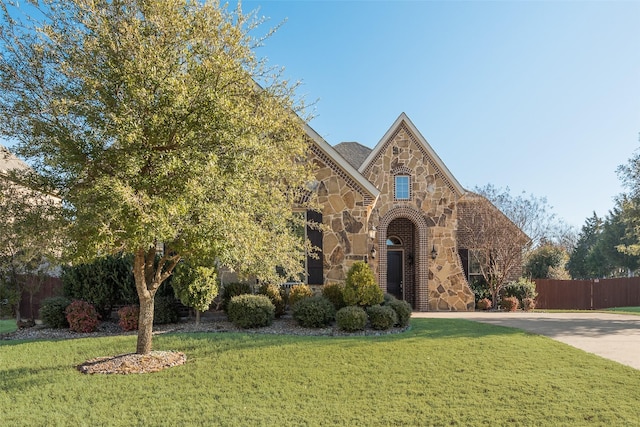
625	310
441	372
7	326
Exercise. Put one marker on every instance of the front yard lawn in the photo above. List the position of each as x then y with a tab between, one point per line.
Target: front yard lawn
441	372
8	325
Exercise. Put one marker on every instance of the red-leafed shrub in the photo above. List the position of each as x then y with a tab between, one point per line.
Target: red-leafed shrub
509	303
82	316
484	304
128	316
528	304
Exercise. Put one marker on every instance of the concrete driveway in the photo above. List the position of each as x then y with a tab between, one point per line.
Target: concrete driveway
613	336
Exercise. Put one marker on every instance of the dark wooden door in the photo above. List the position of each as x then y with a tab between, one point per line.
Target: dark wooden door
394	273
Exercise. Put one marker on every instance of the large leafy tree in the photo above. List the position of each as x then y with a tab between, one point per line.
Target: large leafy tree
148	118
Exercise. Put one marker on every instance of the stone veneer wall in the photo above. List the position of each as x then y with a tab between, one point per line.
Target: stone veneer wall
440	283
346	209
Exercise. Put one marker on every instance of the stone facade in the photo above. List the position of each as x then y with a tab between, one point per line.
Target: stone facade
416	242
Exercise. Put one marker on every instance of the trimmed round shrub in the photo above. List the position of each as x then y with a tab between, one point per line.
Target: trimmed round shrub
314	312
528	304
334	293
165	310
382	317
388	298
509	303
234	289
128	317
276	295
299	292
52	312
484	304
403	311
195	286
351	318
251	311
360	287
82	316
521	289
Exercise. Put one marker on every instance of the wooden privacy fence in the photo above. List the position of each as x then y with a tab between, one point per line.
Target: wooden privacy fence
50	287
588	294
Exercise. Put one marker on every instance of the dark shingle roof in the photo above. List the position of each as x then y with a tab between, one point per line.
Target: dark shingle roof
353	152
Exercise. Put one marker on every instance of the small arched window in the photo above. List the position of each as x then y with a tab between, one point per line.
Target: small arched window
394	241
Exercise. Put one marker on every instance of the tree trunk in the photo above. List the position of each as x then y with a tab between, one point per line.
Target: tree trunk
197	317
145	324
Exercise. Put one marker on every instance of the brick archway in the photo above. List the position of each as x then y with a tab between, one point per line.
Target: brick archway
421	259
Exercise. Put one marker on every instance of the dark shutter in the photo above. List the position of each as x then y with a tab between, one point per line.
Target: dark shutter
464	257
314	265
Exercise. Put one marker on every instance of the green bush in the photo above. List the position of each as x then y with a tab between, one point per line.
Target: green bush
276	295
334	292
351	318
251	311
52	312
521	289
382	317
360	287
509	303
388	298
403	311
195	286
103	283
314	312
82	316
165	310
299	292
234	289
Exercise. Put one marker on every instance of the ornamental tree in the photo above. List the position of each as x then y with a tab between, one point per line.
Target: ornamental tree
160	129
195	286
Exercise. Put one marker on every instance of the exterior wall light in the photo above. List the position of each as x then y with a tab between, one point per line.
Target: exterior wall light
434	253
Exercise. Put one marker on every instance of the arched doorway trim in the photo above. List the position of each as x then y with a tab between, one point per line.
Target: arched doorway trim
421	265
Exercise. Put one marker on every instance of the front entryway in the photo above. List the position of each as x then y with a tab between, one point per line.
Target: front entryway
394	273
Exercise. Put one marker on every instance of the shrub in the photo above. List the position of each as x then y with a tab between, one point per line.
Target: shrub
521	289
251	311
509	303
82	316
299	292
128	317
104	283
388	298
314	312
52	312
360	287
528	304
234	289
195	286
334	293
277	297
351	318
165	310
403	311
484	304
382	317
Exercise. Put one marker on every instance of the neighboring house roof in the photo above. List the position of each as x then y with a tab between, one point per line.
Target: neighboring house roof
353	152
9	161
336	158
403	122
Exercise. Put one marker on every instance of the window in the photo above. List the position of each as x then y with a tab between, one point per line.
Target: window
402	187
394	241
315	274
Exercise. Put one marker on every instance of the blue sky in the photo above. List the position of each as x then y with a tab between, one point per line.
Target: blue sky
542	97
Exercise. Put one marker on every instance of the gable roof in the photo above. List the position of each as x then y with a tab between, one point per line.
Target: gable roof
350	173
403	122
353	152
8	161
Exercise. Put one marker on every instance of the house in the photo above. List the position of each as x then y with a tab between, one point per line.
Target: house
395	206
